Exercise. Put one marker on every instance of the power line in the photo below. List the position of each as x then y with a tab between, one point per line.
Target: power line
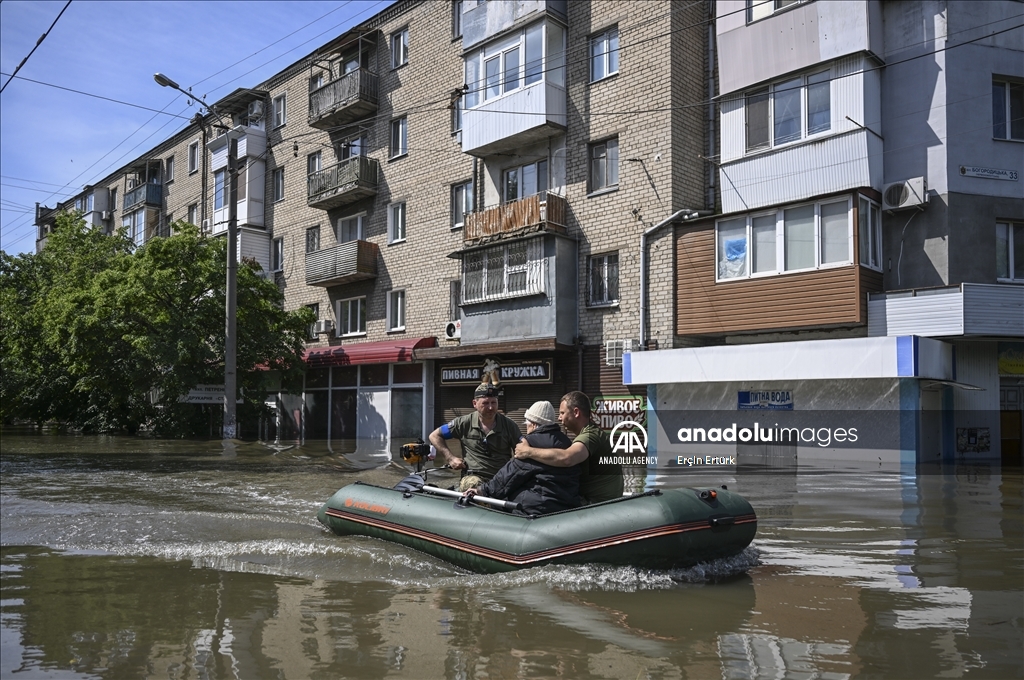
38	43
89	94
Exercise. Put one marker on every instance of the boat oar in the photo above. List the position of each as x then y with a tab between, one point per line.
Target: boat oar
462	500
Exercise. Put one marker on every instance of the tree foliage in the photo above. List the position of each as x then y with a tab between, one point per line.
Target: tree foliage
98	335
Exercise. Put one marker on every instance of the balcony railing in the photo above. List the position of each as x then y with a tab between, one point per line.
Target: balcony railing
344	263
352	96
545	210
344	183
145	194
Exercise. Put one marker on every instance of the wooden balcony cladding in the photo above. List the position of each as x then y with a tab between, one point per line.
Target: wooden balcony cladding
145	194
835	296
541	211
350	97
349	181
344	263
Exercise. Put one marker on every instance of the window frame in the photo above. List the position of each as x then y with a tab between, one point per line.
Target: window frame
396	301
781	242
519	170
313	241
193	157
311	333
277	190
277	255
610	54
393	235
1007	84
608	143
169	170
1012	227
770	95
193	213
873	212
314	162
457	19
526	72
776	7
400	57
220	189
467	202
608	300
341	329
534	268
360	227
399	127
280	106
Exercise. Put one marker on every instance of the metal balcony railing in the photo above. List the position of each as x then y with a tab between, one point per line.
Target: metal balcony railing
351	96
544	209
144	194
346	182
343	263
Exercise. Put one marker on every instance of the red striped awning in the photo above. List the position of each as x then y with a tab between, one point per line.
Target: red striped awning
384	352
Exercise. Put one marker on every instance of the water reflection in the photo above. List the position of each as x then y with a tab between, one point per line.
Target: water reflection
175	561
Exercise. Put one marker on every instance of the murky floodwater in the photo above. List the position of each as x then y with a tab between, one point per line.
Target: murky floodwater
126	558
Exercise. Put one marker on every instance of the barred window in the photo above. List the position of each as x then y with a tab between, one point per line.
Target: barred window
504	271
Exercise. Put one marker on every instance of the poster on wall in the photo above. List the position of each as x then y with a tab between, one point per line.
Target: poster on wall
609	411
765	400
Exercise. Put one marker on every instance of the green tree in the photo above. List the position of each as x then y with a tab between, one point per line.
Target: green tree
108	337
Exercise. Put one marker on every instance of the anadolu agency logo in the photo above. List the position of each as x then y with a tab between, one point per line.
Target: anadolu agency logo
629	443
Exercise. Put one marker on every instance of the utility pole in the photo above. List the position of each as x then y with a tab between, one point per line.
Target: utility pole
231	301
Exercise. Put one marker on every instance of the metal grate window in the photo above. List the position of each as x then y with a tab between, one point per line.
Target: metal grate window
504	271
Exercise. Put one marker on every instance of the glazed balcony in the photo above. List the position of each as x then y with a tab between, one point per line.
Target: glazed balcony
525	116
349	181
147	194
350	97
545	212
344	263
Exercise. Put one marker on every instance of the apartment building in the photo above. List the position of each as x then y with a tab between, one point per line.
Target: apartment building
867	254
461	192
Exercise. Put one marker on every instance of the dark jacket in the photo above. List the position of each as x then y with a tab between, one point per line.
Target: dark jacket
539	488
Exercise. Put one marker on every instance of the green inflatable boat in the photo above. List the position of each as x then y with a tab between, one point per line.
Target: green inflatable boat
655	530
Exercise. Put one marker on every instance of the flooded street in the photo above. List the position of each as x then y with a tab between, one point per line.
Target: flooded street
128	558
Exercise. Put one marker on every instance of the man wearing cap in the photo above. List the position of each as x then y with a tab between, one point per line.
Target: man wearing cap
600	481
536	487
487	438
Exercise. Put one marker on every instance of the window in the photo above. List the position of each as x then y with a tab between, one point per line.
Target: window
396	222
457	18
514	62
316	82
797	238
503	271
1010	250
90	203
1008	110
604	165
399	137
604	279
396	310
313	163
193	214
280	111
352	316
457	114
869	234
350	229
169	169
524	181
352	147
313	239
219	199
604	54
462	203
134	225
279	184
759	9
311	331
788	111
193	157
277	255
399	48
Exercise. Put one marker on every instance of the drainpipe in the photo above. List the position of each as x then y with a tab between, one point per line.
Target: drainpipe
684	214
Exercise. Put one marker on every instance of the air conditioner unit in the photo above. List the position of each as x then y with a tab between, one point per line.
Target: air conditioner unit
453	331
256	109
206	224
106	215
323	326
911	193
614	349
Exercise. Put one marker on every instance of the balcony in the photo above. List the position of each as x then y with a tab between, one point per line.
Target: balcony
350	97
344	263
144	195
967	310
347	182
524	116
540	212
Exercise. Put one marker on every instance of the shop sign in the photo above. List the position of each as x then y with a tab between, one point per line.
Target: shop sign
1011	358
610	411
497	373
765	400
205	394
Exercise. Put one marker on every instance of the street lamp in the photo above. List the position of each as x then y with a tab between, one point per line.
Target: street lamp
231	288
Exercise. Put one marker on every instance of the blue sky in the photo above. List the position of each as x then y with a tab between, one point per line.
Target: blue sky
54	142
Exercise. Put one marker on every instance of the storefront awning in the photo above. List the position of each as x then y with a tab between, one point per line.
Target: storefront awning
384	352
